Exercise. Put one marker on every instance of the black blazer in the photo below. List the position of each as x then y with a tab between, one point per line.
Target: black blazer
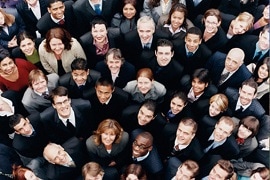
45	23
216	65
28	16
73	147
198	60
57	132
73	90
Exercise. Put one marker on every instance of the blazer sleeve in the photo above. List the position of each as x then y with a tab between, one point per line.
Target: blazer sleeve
43	55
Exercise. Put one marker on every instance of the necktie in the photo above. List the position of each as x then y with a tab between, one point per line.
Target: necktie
223	77
196	2
45	95
210	145
257	57
147	46
70	127
81	87
61	22
240	110
189	54
134	159
175	149
240	141
97	9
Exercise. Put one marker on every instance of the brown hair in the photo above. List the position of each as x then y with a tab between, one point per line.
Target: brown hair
226	166
245	17
34	76
9	19
105	125
93	169
180	8
116	54
263	171
58	33
221	100
212	12
135	169
190	122
228	120
251	123
19	171
191	166
145	72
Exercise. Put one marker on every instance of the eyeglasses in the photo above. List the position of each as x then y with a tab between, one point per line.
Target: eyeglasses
140	146
65	102
212	23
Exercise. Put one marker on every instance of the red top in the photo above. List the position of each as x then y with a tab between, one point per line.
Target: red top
24	68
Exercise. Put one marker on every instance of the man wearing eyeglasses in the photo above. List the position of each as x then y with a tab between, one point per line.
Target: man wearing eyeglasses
66	118
145	154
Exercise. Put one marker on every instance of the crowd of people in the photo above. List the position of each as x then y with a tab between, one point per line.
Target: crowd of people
134	90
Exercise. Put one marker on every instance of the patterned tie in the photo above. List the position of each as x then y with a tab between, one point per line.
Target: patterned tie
97	9
61	22
223	77
45	95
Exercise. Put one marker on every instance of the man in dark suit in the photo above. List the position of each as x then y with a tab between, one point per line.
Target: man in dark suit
31	12
29	141
139	45
85	11
80	81
107	101
228	71
243	103
97	42
60	14
66	160
64	120
145	154
190	52
166	70
184	145
256	48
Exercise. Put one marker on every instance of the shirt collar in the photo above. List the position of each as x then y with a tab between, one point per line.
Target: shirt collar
238	105
189	51
177	31
143	157
258	49
56	20
71	118
36	6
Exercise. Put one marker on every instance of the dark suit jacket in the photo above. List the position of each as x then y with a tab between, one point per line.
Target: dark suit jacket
216	65
255	108
235	7
89	48
84	13
73	90
32	146
127	73
133	50
74	148
169	75
198	59
58	132
28	16
45	23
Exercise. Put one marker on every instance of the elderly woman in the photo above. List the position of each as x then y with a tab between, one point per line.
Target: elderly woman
116	68
107	146
58	51
145	87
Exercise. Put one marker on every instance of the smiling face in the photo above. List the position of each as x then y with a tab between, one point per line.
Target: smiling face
198	86
108	137
214	109
177	105
145	31
183	173
99	33
104	93
243	132
57	10
263	71
264	41
114	64
29	175
39	85
217	173
141	146
57	46
211	24
192	42
184	134
266	12
80	76
233	61
145	116
7	66
164	55
62	106
246	94
239	27
24	127
222	131
177	19
27	46
56	154
129	11
144	84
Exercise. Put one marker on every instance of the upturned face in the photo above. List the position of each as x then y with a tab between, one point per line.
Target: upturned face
246	94
144	84
239	27
141	146
145	116
164	55
183	173
108	137
57	46
80	76
198	86
7	66
24	127
217	173
104	93
192	42
40	85
177	105
211	24
177	19
243	132
62	106
29	175
129	11
222	131
145	31
184	134
263	71
27	46
57	155
57	10
99	33
114	64
214	109
264	41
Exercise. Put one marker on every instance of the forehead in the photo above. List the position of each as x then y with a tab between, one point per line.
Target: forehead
145	26
164	49
225	126
26	40
248	89
235	56
52	151
109	131
146	111
20	124
104	88
6	60
143	79
79	71
222	173
177	100
192	36
56	4
186	128
142	140
212	18
99	27
111	58
59	98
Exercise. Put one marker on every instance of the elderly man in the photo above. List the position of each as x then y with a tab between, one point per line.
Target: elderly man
228	71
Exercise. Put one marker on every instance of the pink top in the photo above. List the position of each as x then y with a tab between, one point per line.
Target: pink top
24	68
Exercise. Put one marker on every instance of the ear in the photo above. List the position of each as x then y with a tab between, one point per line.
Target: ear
239	89
219	23
49	10
200	41
156	52
206	85
172	53
150	148
88	71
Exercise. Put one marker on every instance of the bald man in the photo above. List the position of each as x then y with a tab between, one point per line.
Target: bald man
228	70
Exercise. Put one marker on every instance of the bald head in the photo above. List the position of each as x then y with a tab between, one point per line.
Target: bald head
55	154
234	59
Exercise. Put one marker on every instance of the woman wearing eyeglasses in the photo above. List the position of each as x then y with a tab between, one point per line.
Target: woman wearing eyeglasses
107	146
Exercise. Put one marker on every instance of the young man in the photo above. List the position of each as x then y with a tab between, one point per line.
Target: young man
166	70
243	102
29	141
228	70
60	14
80	81
65	120
66	160
190	52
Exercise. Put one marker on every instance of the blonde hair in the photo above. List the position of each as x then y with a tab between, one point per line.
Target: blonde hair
9	18
245	17
221	100
93	169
